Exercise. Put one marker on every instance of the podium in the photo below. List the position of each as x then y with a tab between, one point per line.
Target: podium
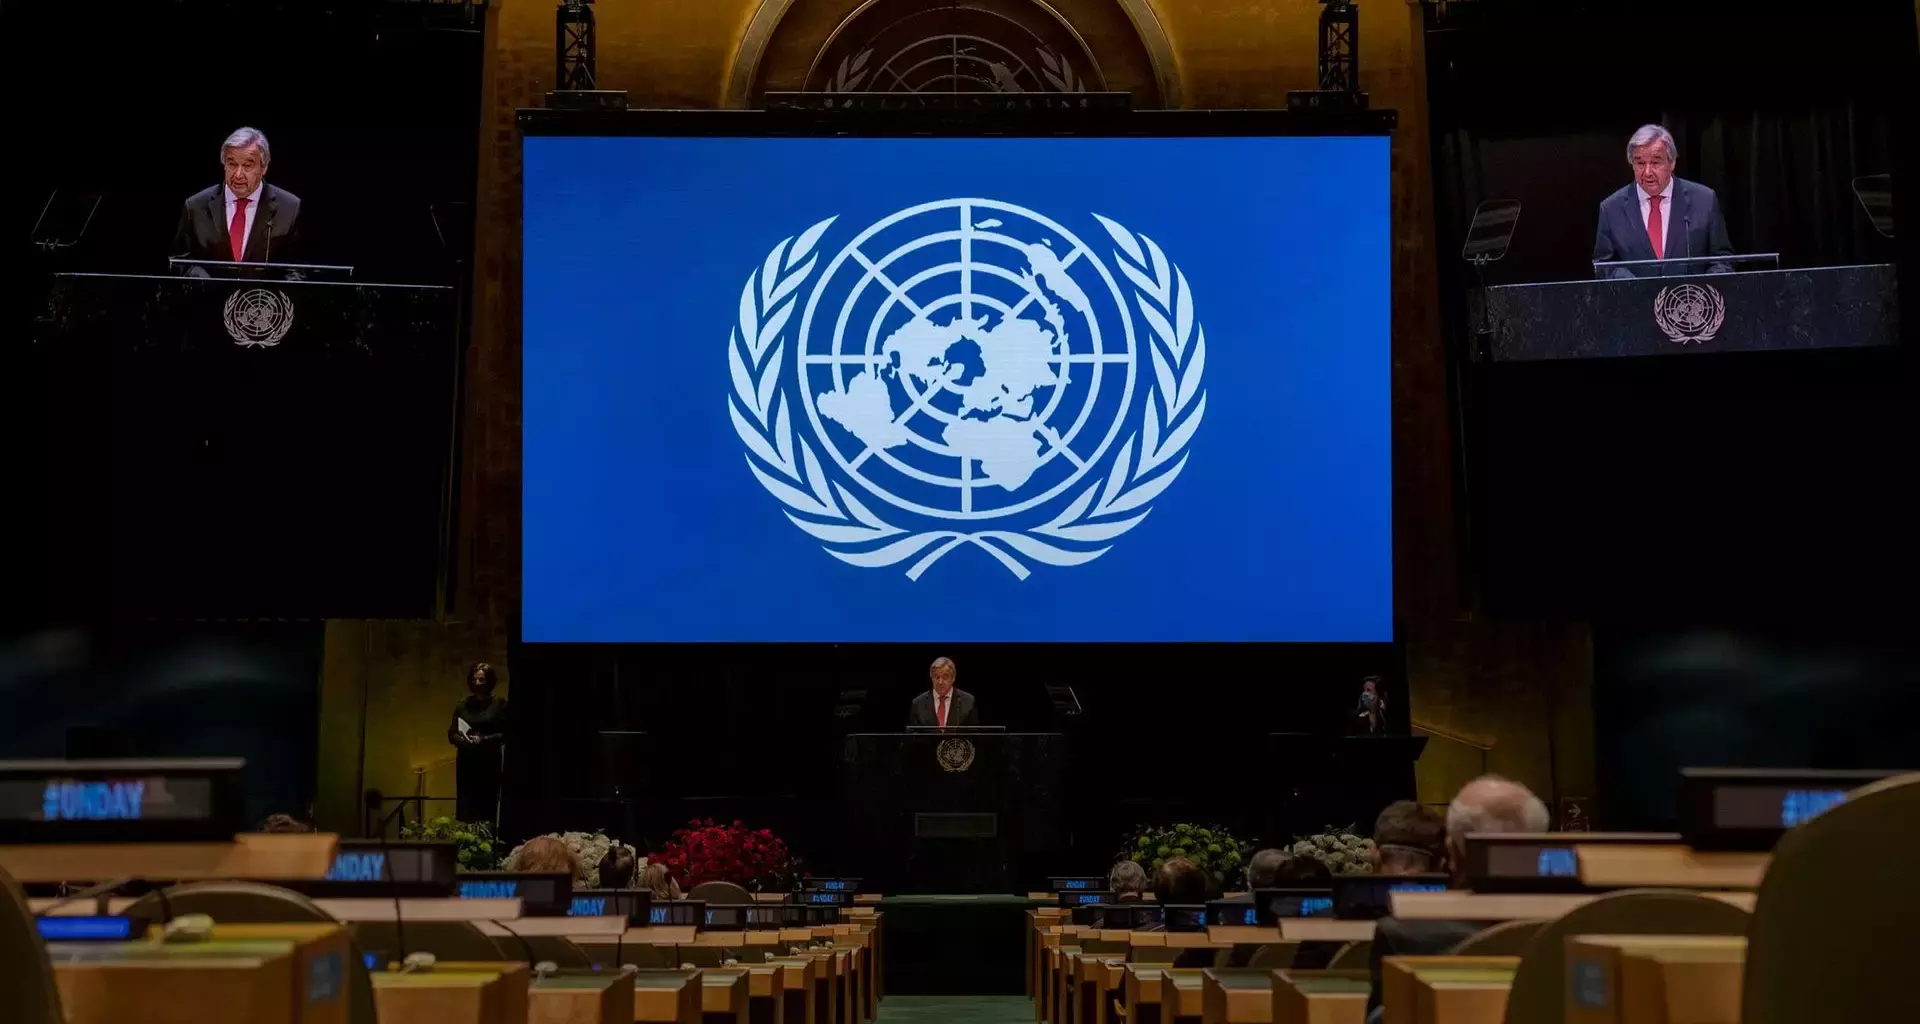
953	812
248	448
1763	310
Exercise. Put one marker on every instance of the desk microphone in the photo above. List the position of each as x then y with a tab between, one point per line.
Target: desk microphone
267	250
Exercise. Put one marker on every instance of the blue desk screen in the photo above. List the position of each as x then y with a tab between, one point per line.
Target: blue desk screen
986	389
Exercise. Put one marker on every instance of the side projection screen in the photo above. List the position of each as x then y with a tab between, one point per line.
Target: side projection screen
847	389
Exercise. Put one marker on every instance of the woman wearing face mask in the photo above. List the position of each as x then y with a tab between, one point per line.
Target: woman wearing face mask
478	728
1370	717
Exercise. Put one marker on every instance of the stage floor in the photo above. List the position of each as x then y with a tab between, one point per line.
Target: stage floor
956	946
956	1010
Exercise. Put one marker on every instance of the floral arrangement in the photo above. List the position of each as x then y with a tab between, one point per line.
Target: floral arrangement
1340	849
473	840
1211	848
588	848
755	859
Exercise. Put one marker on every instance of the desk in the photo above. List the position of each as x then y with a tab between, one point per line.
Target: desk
1325	929
563	927
1619	867
259	856
1160	995
440	997
1320	997
796	977
377	910
1456	905
603	998
244	983
1237	996
723	994
663	997
1446	989
1654	979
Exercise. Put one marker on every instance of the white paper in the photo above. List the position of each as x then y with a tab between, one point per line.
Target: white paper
461	724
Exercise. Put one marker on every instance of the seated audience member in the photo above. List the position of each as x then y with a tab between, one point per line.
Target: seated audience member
616	868
547	856
284	823
1181	882
1487	804
1304	873
1263	870
1127	881
657	880
1409	839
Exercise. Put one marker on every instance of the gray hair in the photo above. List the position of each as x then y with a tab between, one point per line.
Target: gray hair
1126	877
1650	133
1494	804
244	137
940	662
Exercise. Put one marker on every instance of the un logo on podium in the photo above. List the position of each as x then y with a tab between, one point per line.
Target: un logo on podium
966	372
954	755
257	317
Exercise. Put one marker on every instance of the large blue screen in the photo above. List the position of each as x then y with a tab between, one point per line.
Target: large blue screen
941	389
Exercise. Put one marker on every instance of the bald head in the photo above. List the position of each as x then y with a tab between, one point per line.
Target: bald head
1491	804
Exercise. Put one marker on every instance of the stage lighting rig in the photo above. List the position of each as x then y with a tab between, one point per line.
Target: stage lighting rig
575	85
1339	62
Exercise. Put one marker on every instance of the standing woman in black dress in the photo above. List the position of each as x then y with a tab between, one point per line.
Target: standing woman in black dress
478	728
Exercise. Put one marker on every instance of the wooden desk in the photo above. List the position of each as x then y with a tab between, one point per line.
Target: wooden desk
796	988
1453	989
1631	866
375	910
262	856
1247	935
1459	905
1164	993
1320	997
440	997
563	927
604	997
1037	919
724	994
1236	996
1324	929
664	997
1654	979
830	967
238	988
516	975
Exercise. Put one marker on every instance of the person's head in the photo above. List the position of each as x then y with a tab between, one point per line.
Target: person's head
1263	870
1371	699
942	674
616	868
480	679
1180	880
1652	155
243	159
284	823
547	856
1490	804
1127	881
1409	838
1303	873
659	881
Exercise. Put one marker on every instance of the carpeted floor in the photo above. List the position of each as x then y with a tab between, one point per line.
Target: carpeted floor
956	1010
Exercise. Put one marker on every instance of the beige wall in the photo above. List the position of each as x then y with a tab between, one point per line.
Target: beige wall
1519	687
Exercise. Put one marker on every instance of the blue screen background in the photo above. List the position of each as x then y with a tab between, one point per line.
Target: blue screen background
642	521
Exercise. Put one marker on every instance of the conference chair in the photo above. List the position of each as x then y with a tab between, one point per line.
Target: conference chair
27	990
446	940
1540	984
1508	938
254	903
1354	956
721	894
1835	923
1277	956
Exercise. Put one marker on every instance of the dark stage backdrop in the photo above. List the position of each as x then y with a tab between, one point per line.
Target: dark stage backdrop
750	731
242	690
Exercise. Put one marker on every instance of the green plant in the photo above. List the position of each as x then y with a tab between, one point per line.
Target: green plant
1211	848
1340	849
473	840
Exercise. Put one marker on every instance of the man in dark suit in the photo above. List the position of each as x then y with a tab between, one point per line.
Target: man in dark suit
1487	804
1659	216
943	705
242	219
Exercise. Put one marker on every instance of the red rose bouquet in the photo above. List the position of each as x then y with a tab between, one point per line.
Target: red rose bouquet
705	852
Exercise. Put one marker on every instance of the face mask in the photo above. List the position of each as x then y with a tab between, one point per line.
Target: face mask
1367	701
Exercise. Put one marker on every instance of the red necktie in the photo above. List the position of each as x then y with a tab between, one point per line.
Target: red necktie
237	231
1656	231
943	711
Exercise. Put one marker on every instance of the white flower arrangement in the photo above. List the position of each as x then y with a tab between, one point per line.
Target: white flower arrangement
1343	852
587	847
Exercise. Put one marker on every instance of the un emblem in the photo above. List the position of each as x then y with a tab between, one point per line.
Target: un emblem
1689	312
954	755
966	372
258	317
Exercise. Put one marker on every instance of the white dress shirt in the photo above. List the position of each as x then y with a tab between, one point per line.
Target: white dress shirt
253	207
1666	214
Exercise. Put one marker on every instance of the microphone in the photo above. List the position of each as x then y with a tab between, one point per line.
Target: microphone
267	250
1686	238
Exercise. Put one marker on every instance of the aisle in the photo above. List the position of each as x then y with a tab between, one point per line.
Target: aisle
956	1010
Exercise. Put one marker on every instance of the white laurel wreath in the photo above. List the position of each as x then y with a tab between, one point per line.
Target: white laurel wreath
1148	461
1716	311
245	334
